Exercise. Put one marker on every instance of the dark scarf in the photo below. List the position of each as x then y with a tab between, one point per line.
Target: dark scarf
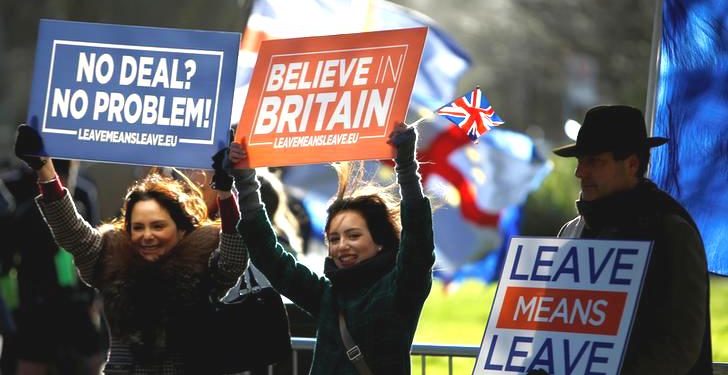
361	275
145	301
632	208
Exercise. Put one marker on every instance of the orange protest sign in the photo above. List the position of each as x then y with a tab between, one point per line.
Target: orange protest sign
329	98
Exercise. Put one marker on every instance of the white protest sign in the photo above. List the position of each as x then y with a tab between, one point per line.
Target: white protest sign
563	305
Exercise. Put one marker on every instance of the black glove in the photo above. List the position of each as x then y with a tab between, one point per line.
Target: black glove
28	143
538	372
409	180
221	180
406	142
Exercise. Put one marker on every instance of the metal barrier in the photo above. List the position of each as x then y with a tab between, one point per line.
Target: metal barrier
421	350
298	344
425	350
449	351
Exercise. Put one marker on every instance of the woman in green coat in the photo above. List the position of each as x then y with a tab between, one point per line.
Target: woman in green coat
378	272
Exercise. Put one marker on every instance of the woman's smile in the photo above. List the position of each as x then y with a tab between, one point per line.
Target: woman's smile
350	241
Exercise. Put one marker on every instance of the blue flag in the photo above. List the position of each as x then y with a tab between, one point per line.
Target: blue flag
692	111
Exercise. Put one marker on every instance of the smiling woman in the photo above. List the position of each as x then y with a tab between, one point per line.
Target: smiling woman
155	265
153	231
151	219
351	238
378	272
350	241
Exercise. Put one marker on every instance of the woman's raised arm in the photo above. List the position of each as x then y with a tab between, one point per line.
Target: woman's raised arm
288	276
417	249
233	258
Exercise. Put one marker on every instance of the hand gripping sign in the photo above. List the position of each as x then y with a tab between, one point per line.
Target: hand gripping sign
563	305
329	98
133	95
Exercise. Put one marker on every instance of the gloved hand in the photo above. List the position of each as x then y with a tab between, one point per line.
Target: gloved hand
221	180
404	138
28	143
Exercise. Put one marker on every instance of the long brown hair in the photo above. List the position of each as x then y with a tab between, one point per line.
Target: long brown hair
180	197
378	204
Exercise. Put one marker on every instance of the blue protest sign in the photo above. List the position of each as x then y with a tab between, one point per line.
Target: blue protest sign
133	95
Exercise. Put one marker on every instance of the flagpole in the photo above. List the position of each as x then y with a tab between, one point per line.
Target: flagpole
654	72
420	120
654	67
428	114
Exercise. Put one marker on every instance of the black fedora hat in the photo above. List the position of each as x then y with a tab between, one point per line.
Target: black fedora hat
611	128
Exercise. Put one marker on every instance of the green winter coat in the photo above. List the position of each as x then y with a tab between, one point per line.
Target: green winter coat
381	305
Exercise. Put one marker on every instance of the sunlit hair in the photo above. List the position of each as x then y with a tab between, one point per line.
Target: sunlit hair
180	197
378	204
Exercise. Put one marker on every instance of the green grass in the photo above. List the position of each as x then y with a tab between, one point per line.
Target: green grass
719	318
459	317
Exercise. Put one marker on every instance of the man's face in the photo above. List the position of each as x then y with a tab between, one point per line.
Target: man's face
601	175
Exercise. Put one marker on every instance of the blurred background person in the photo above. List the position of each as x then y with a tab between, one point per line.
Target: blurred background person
288	230
58	319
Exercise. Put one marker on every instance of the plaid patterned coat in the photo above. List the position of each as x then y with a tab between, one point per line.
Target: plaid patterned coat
103	258
381	315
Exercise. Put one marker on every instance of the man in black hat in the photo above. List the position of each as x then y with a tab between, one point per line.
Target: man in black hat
671	331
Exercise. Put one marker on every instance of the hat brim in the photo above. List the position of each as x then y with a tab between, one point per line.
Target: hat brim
566	151
656	141
572	150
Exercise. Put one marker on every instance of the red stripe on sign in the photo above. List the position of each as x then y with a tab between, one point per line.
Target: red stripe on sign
562	310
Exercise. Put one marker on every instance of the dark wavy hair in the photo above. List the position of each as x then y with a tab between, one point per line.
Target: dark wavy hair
181	198
378	204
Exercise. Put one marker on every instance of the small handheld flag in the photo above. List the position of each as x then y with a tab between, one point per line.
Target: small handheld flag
472	113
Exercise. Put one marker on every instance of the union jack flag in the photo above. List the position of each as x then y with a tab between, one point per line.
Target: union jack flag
472	113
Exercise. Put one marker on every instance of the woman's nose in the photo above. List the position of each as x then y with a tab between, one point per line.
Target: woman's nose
336	248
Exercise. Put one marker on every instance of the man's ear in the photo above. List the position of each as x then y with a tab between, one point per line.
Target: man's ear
633	164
